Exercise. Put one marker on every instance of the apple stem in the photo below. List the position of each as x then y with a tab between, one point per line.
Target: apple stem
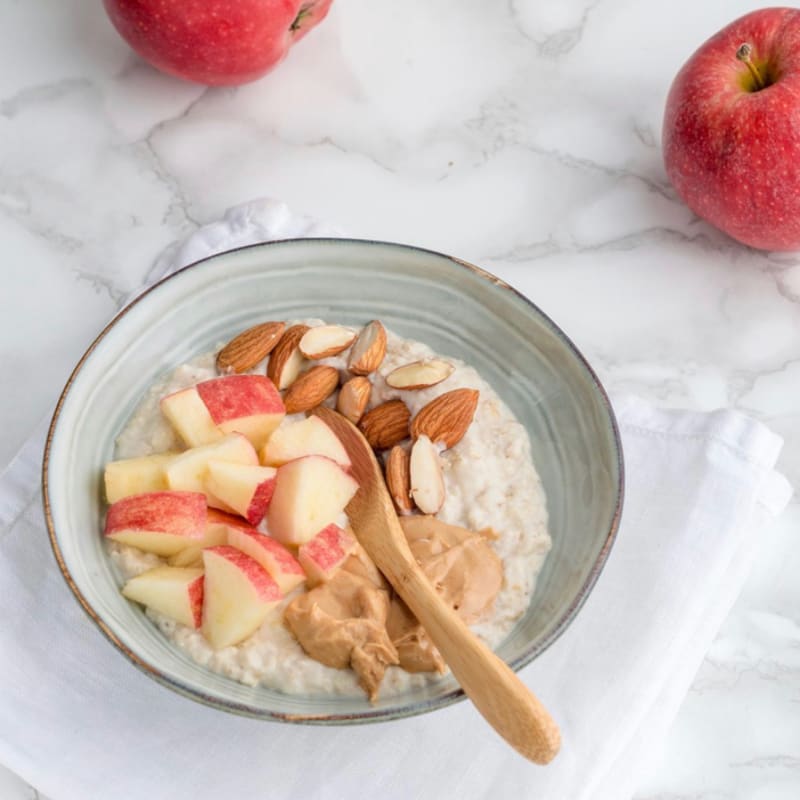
743	54
304	11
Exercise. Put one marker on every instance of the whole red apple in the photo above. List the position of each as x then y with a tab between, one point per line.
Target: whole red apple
732	130
216	42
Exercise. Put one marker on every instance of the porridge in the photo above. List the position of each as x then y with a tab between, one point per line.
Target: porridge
311	613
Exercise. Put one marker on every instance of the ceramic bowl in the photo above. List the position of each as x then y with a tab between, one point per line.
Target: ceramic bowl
457	309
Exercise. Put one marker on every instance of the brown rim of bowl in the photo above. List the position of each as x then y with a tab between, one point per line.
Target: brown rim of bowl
367	716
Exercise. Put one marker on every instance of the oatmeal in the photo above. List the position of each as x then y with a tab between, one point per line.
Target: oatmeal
491	493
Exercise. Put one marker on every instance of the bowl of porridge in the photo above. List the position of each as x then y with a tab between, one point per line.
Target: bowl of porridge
197	506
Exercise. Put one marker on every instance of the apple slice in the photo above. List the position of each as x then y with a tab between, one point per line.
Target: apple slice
188	557
310	493
216	532
190	418
309	437
136	476
187	472
247	404
239	594
158	522
174	591
326	552
271	554
246	488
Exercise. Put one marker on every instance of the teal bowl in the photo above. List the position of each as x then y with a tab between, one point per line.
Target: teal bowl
457	309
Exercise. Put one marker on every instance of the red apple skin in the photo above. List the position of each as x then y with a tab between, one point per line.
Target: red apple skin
216	517
214	42
235	396
284	568
326	552
733	154
196	599
179	513
259	503
261	581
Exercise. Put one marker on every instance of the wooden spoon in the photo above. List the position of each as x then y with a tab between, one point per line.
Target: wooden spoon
506	703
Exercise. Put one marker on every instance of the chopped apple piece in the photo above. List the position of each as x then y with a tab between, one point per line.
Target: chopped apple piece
247	404
158	522
216	532
190	418
246	488
309	437
188	557
173	591
310	493
136	476
271	554
326	552
239	594
188	470
219	521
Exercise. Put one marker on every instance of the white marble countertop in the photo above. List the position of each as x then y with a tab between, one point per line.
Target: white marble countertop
522	136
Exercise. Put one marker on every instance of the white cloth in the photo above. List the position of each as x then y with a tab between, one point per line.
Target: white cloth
79	722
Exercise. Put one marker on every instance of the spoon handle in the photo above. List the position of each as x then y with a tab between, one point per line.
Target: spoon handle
505	702
503	699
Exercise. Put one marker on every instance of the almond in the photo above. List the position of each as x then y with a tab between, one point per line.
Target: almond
286	360
445	420
311	389
425	470
368	350
353	398
386	425
244	351
420	374
325	340
398	479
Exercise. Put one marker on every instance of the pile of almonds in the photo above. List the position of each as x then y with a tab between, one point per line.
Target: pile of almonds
413	473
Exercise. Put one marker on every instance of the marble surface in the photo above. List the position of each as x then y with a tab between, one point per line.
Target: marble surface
523	136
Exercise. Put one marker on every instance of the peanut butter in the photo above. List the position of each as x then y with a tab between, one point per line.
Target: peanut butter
465	571
459	563
350	621
415	650
342	623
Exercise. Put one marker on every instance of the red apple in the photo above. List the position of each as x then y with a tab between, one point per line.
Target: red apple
188	471
173	591
309	437
322	556
216	42
216	532
163	523
247	489
310	493
238	594
136	476
732	130
284	568
247	404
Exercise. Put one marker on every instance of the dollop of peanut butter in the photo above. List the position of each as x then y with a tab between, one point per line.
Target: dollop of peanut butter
415	650
352	620
342	623
465	571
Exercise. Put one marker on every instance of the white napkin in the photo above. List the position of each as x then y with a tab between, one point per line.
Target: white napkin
78	721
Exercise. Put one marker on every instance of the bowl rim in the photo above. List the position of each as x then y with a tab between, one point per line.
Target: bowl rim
369	715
